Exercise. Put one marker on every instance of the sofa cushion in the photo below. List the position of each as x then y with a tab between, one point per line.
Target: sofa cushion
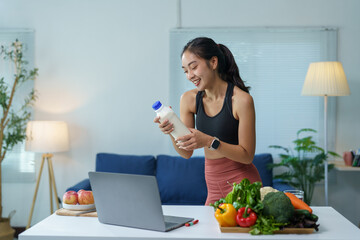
281	186
261	162
131	164
84	184
181	181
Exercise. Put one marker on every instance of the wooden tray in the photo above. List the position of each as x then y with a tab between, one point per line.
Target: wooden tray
284	231
67	212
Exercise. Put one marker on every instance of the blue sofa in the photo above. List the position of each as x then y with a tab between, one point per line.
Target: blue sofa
181	181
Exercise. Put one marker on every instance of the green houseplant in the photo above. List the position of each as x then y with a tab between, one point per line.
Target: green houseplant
13	119
304	165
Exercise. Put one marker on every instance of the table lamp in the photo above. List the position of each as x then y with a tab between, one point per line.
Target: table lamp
325	79
46	137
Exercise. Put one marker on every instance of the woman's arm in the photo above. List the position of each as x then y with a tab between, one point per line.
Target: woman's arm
187	116
187	111
245	150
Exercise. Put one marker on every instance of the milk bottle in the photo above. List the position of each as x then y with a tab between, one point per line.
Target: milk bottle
164	113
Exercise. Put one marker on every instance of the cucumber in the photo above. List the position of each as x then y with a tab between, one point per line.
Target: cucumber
314	217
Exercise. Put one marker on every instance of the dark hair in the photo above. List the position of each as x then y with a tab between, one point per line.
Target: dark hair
206	48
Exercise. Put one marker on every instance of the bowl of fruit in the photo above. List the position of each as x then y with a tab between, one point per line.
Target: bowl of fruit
78	201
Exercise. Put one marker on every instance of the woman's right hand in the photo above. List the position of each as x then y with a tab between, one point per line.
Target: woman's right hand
166	127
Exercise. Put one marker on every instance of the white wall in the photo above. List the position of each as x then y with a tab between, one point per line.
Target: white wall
103	63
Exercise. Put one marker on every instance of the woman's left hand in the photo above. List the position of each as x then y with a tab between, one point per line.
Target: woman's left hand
194	140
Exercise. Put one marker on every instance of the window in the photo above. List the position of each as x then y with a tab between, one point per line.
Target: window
274	63
18	165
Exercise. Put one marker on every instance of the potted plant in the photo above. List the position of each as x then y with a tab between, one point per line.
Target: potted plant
13	120
304	165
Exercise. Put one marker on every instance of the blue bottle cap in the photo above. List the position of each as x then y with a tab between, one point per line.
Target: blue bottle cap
156	105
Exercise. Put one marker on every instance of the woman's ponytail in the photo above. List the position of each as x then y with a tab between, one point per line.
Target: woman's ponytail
230	71
206	48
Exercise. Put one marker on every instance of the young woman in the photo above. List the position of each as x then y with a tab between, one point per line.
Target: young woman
225	117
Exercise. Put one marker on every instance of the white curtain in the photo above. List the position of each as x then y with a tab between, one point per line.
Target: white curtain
273	62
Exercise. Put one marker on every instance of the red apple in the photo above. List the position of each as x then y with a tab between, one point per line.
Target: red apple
80	191
85	197
70	197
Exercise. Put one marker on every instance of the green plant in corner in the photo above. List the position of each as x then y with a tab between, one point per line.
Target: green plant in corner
304	166
14	118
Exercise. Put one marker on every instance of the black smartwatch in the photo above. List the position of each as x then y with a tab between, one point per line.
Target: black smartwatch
214	144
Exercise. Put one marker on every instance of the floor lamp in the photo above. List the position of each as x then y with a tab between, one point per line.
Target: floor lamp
325	79
46	137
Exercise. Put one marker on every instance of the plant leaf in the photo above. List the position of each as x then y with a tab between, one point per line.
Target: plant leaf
305	166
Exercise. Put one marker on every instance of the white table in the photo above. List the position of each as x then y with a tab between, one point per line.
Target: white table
332	226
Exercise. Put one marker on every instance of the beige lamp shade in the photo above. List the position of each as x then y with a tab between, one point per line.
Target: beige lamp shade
325	78
47	136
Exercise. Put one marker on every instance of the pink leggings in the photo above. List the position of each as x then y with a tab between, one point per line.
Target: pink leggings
221	173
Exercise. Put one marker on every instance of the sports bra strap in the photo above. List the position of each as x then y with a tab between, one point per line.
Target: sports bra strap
199	96
228	96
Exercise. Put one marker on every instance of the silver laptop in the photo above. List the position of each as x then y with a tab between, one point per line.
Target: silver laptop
131	201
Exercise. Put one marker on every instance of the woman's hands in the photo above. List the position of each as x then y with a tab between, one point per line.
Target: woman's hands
166	127
194	140
189	142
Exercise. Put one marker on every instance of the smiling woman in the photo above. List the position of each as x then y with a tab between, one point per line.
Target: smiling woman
225	117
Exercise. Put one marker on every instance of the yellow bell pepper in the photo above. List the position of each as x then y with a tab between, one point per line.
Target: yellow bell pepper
226	215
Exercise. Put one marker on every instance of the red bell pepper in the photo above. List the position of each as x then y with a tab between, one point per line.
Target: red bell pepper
246	217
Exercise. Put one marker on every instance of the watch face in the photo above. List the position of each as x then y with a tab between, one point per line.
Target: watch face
215	144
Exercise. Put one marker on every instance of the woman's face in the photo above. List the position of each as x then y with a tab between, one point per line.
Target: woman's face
199	71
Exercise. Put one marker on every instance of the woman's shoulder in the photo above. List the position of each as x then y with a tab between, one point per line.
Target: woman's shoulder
242	97
188	100
189	95
242	100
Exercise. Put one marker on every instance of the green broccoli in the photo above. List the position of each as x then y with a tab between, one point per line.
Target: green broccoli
278	205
